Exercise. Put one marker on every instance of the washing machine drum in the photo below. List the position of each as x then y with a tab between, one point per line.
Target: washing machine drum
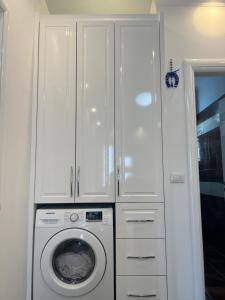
73	262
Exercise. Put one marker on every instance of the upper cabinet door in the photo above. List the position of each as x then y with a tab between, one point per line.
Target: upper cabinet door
95	112
55	156
138	112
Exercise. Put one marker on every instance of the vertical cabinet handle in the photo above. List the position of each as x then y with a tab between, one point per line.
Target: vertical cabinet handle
118	181
71	180
78	181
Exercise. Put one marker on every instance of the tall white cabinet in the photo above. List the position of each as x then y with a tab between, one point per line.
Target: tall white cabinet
95	112
56	111
138	112
99	137
140	227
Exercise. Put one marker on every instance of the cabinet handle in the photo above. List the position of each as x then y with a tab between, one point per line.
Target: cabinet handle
71	181
78	181
141	257
118	181
141	296
140	221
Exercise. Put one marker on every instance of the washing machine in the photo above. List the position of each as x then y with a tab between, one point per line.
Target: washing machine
73	254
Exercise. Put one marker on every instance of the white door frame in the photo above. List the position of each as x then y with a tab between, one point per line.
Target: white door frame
191	66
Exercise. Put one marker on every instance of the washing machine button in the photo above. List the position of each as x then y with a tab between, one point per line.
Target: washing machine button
74	217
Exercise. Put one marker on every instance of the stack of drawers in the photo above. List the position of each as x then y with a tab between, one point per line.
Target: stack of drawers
140	251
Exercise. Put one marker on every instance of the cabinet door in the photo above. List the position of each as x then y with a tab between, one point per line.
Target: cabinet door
138	112
56	111
95	112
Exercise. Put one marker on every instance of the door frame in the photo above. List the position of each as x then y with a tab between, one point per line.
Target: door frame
191	66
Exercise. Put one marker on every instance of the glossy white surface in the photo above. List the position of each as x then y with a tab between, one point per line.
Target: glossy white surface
140	257
141	286
95	112
140	220
55	160
138	112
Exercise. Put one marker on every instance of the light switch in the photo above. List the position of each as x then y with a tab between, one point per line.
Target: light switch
177	178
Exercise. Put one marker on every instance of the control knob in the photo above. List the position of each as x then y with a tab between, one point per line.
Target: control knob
74	217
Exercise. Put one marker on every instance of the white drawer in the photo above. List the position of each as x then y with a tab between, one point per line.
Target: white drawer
141	287
144	220
140	257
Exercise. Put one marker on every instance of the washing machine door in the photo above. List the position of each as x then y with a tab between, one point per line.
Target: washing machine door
73	262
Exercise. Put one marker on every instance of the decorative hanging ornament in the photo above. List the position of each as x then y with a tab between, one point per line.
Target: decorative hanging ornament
172	78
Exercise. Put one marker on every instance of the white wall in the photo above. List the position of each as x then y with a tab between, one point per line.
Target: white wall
15	146
190	32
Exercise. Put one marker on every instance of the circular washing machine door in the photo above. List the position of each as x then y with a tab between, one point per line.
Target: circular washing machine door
73	262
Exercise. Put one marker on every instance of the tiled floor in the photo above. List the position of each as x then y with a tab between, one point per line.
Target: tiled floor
214	273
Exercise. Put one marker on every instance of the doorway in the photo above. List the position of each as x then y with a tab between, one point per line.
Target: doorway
205	121
210	121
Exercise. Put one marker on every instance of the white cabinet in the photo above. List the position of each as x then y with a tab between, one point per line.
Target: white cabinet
138	112
55	148
95	112
99	134
84	73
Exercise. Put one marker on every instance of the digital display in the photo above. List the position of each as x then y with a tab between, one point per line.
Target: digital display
94	216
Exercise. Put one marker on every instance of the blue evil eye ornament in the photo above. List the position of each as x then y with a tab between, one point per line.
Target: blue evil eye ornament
172	78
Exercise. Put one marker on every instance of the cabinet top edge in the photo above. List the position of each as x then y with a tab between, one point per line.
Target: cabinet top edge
111	17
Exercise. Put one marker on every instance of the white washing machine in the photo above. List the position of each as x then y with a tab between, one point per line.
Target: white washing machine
73	254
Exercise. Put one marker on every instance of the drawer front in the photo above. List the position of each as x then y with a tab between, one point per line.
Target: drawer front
144	220
141	287
140	257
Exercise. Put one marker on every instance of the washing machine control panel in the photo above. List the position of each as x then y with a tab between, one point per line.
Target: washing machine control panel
73	217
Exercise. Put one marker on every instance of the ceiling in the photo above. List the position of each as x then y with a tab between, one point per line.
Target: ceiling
98	6
113	6
189	2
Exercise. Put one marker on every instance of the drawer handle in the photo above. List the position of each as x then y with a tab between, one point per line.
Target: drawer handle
141	257
141	296
140	221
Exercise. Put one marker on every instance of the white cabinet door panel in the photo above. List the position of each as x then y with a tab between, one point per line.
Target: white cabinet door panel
138	112
55	156
95	112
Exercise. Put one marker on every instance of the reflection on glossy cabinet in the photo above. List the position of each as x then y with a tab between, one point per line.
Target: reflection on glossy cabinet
138	112
95	112
55	149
